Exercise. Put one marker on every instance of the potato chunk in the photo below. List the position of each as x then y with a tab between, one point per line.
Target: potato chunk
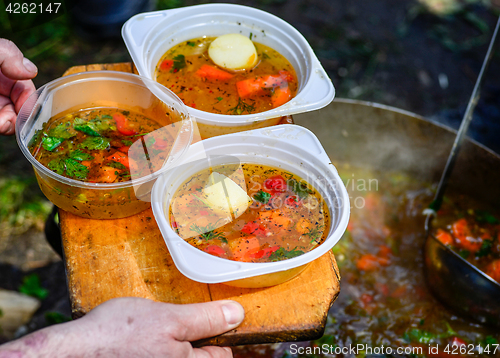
233	52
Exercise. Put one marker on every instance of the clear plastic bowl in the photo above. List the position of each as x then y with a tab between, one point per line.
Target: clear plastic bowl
96	89
291	147
149	35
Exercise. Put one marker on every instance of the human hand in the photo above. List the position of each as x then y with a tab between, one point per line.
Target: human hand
15	84
134	327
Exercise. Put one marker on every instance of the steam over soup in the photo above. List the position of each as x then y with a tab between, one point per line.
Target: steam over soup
93	145
245	87
249	212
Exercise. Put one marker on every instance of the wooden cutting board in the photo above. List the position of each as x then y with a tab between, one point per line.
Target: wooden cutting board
128	257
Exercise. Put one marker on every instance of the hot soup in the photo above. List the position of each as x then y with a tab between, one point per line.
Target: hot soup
93	145
249	212
189	71
472	233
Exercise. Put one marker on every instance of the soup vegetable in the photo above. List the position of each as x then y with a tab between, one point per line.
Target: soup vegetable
250	213
474	234
93	145
199	75
384	300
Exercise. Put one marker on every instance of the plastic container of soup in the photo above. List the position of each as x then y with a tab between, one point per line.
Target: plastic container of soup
148	36
107	89
291	147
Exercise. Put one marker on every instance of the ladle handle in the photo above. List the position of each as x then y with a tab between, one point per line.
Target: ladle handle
438	198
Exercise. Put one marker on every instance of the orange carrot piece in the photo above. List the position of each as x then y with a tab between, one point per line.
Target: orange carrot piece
119	157
213	73
256	86
461	231
444	237
124	149
242	247
302	226
384	251
248	88
280	96
281	221
368	262
493	270
108	175
460	228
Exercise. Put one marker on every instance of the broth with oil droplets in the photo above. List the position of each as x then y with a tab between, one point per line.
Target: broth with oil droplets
188	71
249	212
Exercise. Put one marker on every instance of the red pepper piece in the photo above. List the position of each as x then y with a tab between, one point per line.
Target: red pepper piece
166	65
253	228
215	250
122	124
275	184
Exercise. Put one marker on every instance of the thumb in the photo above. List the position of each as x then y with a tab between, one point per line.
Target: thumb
12	63
203	320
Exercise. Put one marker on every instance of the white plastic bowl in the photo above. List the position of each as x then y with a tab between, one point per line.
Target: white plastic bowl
149	35
291	147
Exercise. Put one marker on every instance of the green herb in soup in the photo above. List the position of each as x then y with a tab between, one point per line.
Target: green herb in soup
249	213
188	70
92	145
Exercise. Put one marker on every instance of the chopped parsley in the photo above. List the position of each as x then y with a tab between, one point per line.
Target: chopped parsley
483	216
94	143
485	248
96	126
127	142
79	155
117	165
283	254
85	127
314	233
207	232
190	43
75	169
242	107
63	130
71	165
262	196
179	63
51	143
299	188
219	99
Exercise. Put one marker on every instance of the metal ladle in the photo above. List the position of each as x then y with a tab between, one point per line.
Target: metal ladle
454	281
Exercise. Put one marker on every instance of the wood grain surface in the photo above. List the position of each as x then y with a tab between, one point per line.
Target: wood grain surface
128	257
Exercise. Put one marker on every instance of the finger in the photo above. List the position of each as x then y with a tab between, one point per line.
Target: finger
202	320
7	117
13	64
20	93
212	352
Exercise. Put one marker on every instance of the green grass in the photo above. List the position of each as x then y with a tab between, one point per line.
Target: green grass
21	208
